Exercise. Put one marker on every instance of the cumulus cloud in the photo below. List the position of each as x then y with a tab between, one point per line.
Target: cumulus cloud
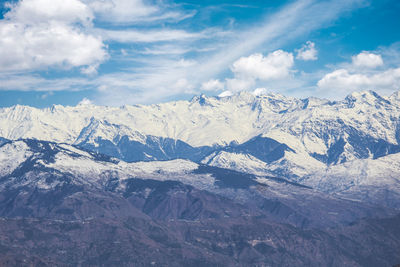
367	60
342	79
362	74
274	66
248	70
307	52
212	85
37	34
32	12
85	101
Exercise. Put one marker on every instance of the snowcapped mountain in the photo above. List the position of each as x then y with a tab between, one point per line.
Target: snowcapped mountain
309	141
205	121
40	170
362	125
122	142
309	172
51	193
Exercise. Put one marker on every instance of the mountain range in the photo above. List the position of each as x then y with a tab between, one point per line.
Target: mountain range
242	180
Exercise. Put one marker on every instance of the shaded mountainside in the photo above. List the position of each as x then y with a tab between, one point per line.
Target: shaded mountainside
62	206
348	148
48	180
216	242
244	180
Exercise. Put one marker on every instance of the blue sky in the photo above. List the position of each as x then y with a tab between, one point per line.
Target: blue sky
116	52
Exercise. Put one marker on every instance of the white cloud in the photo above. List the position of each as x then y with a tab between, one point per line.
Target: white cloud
212	85
31	82
274	66
236	85
150	36
184	63
32	12
256	67
362	74
46	95
124	52
102	88
225	94
168	49
260	91
273	31
367	60
90	70
37	34
85	101
121	10
133	11
155	78
307	52
342	79
183	85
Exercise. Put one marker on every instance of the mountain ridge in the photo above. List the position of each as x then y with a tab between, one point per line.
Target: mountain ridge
362	124
177	212
255	105
313	142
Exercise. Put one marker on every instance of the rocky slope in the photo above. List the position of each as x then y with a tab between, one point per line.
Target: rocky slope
56	199
253	180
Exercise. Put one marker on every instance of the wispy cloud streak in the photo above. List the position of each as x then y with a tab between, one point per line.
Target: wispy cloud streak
294	20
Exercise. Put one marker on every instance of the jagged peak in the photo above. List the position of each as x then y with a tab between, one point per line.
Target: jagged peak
366	97
259	98
259	93
312	101
107	130
55	108
395	96
198	98
362	95
21	108
204	100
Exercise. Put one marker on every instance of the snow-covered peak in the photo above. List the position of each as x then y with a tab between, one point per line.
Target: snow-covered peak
240	98
395	98
102	129
201	99
312	102
260	91
236	161
31	162
366	97
277	103
205	121
12	155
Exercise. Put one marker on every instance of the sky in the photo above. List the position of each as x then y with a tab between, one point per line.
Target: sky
117	52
